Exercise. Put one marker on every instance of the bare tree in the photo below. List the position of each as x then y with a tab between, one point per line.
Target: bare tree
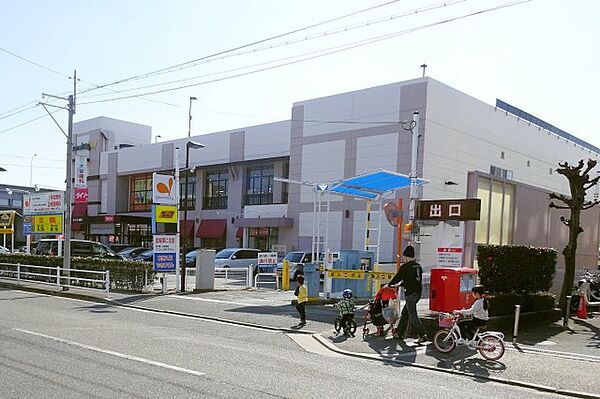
579	183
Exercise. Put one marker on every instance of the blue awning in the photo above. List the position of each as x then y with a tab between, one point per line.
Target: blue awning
373	184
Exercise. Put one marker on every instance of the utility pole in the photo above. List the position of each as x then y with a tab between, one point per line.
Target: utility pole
413	174
69	184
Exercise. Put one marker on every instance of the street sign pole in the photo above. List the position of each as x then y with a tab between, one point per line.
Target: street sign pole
413	174
177	199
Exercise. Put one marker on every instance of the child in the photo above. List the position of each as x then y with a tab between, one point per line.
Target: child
479	311
346	309
302	293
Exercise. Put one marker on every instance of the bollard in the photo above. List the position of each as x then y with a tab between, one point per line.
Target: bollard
285	275
516	328
58	277
567	312
249	275
163	280
18	273
107	282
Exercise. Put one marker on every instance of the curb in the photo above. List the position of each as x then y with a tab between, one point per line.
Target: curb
522	384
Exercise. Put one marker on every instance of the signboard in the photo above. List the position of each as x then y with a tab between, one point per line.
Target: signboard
347	274
165	253
165	213
7	220
382	275
81	195
449	256
43	203
27	225
47	224
449	209
109	219
81	172
102	229
267	258
163	189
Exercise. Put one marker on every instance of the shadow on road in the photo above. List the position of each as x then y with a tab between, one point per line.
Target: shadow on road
98	308
464	360
595	339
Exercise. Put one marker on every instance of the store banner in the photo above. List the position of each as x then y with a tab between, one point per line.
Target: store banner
81	171
164	189
81	195
43	203
165	214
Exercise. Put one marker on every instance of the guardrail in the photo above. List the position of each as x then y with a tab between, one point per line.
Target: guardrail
56	276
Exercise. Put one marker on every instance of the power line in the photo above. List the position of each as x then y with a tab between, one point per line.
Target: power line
26	123
325	52
158	71
276	45
34	63
32	166
17	112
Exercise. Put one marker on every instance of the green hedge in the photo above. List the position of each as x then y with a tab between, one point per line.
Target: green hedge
124	275
504	304
518	269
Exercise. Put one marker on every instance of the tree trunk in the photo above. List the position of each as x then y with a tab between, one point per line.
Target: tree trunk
569	255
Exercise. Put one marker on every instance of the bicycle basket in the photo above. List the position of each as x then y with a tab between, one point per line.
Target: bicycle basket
445	321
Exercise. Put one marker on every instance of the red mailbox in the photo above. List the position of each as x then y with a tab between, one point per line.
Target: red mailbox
450	288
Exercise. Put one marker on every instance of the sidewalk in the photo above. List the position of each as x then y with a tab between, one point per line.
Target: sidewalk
548	355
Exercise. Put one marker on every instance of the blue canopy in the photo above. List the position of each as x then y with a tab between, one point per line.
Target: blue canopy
373	184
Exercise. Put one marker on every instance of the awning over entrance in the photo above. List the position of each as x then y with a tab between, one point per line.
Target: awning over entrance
264	222
239	233
186	228
212	228
76	227
373	184
79	211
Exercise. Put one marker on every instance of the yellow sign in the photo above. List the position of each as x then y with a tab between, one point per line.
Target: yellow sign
347	274
6	231
166	214
7	219
47	224
381	275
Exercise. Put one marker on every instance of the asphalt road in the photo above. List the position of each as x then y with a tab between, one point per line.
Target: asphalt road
53	347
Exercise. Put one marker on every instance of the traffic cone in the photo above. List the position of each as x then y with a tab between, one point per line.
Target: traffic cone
582	310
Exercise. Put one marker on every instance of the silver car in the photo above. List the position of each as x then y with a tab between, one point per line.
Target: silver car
236	257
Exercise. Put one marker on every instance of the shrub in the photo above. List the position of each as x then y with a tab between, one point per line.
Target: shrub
518	269
504	304
124	275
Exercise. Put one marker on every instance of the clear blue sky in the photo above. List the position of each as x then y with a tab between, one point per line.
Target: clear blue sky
541	56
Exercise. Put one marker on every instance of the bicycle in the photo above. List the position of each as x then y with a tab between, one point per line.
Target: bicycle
490	344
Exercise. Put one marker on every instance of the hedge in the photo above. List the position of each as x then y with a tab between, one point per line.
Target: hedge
516	269
124	275
504	304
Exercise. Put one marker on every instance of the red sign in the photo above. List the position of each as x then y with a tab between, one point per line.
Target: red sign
81	195
109	219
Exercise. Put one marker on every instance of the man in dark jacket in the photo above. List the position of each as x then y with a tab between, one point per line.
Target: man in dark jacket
411	274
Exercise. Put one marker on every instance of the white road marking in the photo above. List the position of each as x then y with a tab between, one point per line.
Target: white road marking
309	344
112	353
211	300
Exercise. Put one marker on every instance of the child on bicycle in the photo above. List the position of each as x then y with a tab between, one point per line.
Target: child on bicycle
479	311
346	310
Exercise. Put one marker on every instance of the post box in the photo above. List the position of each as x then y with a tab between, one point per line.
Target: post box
450	288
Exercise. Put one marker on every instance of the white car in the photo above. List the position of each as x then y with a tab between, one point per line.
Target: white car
4	250
236	257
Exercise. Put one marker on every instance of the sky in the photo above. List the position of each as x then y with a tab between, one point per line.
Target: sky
540	55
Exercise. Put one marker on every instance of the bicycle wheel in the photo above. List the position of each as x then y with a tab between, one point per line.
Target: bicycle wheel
491	347
352	327
337	326
444	341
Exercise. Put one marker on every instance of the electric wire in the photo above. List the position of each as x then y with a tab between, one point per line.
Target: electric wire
322	53
153	73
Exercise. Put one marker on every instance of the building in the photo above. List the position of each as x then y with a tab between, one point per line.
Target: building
467	148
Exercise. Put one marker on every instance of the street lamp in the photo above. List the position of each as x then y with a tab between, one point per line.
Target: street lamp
31	170
188	145
190	117
158	136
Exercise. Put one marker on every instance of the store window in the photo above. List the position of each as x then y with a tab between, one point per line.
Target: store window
191	191
215	190
263	238
495	225
140	192
285	186
259	186
213	243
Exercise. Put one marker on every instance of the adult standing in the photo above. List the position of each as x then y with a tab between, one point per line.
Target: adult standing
411	274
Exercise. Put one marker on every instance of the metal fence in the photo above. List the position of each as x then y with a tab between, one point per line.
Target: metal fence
233	277
56	276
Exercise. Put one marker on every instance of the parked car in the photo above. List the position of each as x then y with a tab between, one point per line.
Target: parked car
130	253
84	248
21	250
4	250
297	260
237	257
121	247
145	256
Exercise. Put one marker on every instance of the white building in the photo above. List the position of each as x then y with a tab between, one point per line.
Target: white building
467	148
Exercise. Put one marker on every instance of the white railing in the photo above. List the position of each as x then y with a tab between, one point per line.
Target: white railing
234	276
272	278
56	276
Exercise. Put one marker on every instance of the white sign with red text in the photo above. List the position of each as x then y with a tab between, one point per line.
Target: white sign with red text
43	203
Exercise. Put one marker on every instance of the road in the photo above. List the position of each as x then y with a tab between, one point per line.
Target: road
55	347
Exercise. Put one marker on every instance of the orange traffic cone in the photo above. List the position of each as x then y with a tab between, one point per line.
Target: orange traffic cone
582	310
